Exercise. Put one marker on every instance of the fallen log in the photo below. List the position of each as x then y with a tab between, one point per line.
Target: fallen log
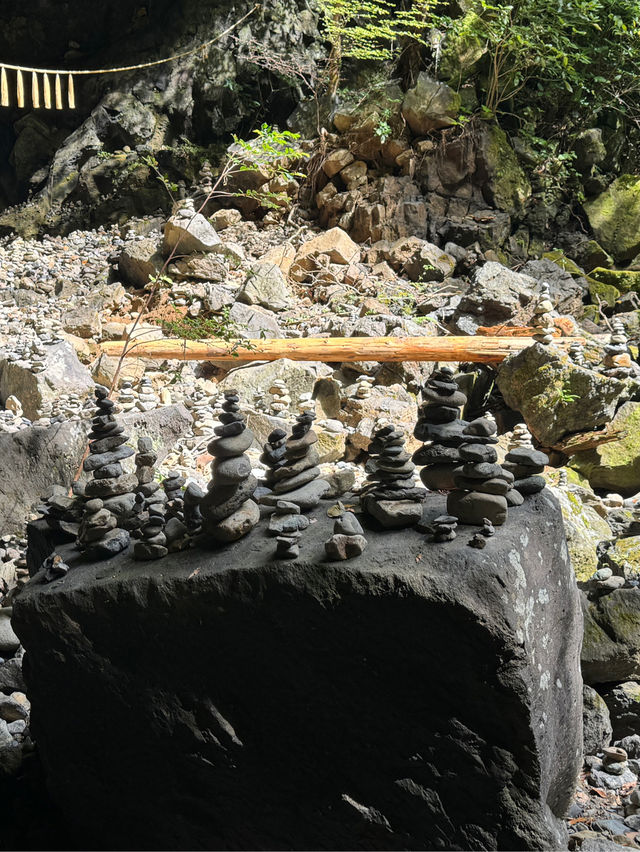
484	350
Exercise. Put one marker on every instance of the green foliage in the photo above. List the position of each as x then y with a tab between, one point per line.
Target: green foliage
272	149
371	29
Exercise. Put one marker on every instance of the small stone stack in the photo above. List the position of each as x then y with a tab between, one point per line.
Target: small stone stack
203	418
147	397
390	494
99	536
107	449
61	512
444	528
193	496
287	524
126	397
576	353
173	484
479	539
617	360
152	542
281	399
481	483
542	319
348	539
306	404
293	472
364	385
439	425
526	464
227	509
147	489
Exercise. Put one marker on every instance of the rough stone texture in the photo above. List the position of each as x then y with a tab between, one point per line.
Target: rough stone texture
251	379
623	702
63	374
140	260
190	233
266	285
541	379
615	466
596	722
567	287
37	459
278	705
615	218
506	186
430	105
499	294
584	529
611	644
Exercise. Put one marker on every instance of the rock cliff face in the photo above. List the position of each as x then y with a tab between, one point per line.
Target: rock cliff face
422	696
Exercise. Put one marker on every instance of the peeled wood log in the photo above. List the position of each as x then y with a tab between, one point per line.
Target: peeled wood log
484	350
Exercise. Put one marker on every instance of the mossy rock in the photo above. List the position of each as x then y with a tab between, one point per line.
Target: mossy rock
505	185
555	396
624	557
463	49
624	280
601	292
558	257
615	466
584	529
615	218
591	254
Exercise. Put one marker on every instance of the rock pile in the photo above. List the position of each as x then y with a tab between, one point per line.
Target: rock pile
617	360
147	397
287	524
281	398
481	483
293	466
576	353
152	542
444	528
228	511
526	464
390	494
440	425
542	319
348	539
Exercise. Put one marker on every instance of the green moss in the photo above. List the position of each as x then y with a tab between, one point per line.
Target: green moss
463	49
509	187
621	279
615	218
615	466
560	259
601	292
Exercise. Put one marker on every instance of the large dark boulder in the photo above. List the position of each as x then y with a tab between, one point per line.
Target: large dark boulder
421	696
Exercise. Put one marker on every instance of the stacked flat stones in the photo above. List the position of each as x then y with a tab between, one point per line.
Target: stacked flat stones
348	539
616	360
542	319
576	353
444	528
109	485
228	512
439	425
293	466
152	542
287	524
193	496
390	494
525	463
148	491
481	484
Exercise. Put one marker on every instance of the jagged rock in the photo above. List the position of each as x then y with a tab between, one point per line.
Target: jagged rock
541	379
623	702
190	232
614	217
610	648
63	374
139	261
498	294
567	290
253	322
505	184
596	721
335	243
266	285
585	529
507	626
430	105
615	465
420	260
37	458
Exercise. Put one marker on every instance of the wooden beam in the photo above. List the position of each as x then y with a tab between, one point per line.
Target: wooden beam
332	349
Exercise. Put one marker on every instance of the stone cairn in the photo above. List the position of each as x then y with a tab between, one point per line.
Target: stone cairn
126	397
524	462
481	484
281	399
148	491
479	539
440	425
444	528
364	385
147	397
390	494
542	319
576	353
228	512
616	360
348	539
306	403
175	529
99	533
152	542
293	466
193	496
287	524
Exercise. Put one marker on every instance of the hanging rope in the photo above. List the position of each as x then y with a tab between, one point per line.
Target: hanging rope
60	74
